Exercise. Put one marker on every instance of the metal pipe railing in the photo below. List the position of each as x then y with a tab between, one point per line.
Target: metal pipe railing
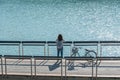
53	43
17	57
78	59
1	65
85	43
21	44
47	58
11	43
45	44
105	59
33	43
6	57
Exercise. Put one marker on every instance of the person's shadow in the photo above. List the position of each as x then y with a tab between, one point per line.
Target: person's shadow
55	65
71	65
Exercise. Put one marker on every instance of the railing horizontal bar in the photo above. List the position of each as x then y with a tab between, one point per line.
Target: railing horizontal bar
10	41
85	41
108	58
9	44
109	41
67	41
79	58
47	57
33	42
110	44
53	43
17	57
0	55
85	44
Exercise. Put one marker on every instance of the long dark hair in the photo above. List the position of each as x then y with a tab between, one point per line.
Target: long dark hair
60	38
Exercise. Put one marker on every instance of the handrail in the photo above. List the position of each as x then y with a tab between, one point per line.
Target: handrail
110	43
47	57
10	41
33	43
1	65
14	43
111	58
85	43
78	58
17	56
53	43
108	58
46	44
54	58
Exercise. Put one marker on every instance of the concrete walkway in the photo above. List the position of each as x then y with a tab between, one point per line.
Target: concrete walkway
53	68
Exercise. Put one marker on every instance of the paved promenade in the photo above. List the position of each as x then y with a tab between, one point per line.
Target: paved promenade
53	68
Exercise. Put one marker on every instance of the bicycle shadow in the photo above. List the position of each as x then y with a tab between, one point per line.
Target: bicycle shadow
71	65
54	66
86	64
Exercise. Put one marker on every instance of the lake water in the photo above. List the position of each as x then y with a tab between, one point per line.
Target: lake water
43	20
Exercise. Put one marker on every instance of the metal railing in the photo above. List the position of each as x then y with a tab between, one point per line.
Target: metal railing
34	43
63	73
78	59
1	65
98	44
14	57
12	43
53	43
47	44
108	59
48	58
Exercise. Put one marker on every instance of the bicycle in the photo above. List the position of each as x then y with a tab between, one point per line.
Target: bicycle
88	53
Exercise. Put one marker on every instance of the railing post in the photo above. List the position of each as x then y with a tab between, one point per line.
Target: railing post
5	67
44	51
22	49
92	68
71	49
61	70
35	66
2	66
96	69
19	47
31	67
65	70
48	49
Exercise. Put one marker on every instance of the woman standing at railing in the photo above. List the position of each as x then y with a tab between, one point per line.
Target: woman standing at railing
59	43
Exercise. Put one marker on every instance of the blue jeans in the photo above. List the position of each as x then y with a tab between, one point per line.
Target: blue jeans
60	51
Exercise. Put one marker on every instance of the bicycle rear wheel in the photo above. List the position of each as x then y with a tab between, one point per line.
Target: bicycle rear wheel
91	53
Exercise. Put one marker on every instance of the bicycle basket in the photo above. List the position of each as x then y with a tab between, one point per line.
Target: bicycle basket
74	50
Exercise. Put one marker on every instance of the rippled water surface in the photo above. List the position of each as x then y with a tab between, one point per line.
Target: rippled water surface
45	19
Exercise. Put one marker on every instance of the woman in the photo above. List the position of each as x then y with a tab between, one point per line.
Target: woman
59	43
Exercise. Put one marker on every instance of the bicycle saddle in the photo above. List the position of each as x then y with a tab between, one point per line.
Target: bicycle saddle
90	50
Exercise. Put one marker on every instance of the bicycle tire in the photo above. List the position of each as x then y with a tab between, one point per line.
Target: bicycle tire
93	54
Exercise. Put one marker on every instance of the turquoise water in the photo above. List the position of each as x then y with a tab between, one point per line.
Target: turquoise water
44	19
